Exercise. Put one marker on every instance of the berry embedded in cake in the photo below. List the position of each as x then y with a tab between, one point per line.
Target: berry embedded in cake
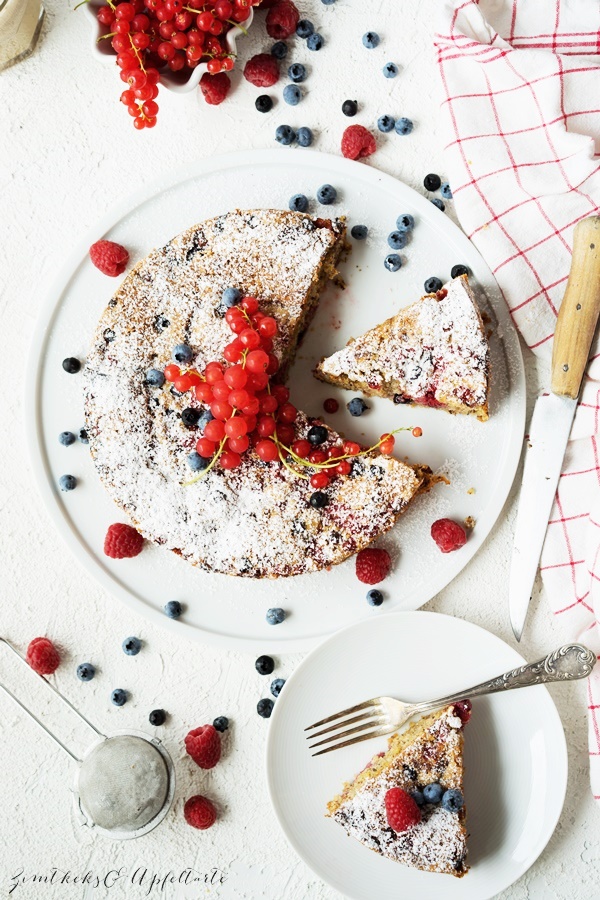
407	804
432	353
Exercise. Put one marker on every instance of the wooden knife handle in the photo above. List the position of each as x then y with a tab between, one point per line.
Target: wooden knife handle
578	314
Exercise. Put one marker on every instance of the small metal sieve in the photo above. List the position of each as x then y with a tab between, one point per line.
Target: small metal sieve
125	782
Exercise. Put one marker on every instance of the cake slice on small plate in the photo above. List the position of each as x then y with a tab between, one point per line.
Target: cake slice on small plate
432	353
407	804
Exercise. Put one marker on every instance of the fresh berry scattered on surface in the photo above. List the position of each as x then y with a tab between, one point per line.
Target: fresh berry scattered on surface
304	29
262	70
373	564
132	646
463	710
458	270
182	354
67	482
282	20
392	262
350	108
231	297
190	417
386	123
315	42
327	194
452	800
370	40
275	615
264	103
196	462
157	717
85	671
264	707
357	142
292	94
433	793
432	285
71	365
439	203
445	191
122	541
418	797
359	232
285	135
327	2
405	222
155	378
317	435
279	50
118	697
264	665
276	686
299	203
357	406
66	438
401	810
331	405
390	70
83	436
297	73
203	744
404	126
432	182
448	535
319	500
173	609
397	240
375	597
304	137
42	656
199	812
109	257
221	723
214	88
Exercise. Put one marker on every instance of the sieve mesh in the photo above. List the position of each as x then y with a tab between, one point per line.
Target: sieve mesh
123	783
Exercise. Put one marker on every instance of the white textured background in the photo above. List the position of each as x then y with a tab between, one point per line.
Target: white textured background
67	152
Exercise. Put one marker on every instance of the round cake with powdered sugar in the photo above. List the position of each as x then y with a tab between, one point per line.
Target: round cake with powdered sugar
255	520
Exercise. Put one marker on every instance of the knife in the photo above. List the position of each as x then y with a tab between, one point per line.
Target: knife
553	416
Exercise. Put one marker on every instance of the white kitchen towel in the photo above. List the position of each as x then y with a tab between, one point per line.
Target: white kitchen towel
521	108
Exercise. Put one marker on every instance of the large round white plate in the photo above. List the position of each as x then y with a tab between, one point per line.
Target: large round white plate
515	754
482	456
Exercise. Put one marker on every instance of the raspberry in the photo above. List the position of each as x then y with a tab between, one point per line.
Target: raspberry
262	70
215	87
463	710
401	810
448	535
372	565
122	541
109	257
42	656
204	746
199	812
357	142
282	20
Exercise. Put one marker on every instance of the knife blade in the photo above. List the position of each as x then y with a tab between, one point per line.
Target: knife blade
553	416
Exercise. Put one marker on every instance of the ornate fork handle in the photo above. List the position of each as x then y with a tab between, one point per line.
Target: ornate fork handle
568	663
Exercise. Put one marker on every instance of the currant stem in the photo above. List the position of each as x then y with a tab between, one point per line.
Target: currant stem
209	466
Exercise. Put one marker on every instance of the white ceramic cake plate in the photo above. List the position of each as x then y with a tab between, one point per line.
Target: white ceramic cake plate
479	458
515	755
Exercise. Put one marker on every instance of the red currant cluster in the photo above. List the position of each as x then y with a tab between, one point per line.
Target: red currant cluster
148	35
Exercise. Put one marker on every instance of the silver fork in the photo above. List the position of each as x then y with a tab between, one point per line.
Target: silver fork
382	715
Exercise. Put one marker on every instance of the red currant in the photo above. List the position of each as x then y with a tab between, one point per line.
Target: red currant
301	448
205	447
250	338
195	37
141	41
281	393
287	413
204	20
319	480
273	363
172	372
105	15
125	11
214	431
351	448
213	373
249	305
240	444
258	381
221	390
417	432
268	327
343	468
140	22
227	64
221	410
331	405
267	451
286	434
213	66
317	456
257	361
266	426
236	427
387	444
204	392
230	460
166	50
150	108
335	452
183	383
236	377
183	20
223	9
268	403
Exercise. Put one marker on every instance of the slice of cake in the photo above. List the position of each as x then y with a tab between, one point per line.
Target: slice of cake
407	804
432	353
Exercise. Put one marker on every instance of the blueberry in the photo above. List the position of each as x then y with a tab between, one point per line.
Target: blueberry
279	50
458	270
190	417
375	597
264	665
305	137
276	686
359	232
433	793
66	438
285	135
397	240
319	500
432	182
315	41
131	646
196	462
71	365
67	482
390	70
356	406
221	723
173	609
404	126
326	194
327	2
275	616
155	377
405	222
418	797
317	435
452	800
182	354
264	103
445	191
297	73
392	262
370	40
350	107
85	671
83	436
205	417
292	94
264	708
432	285
157	717
386	123
304	29
439	203
231	297
119	697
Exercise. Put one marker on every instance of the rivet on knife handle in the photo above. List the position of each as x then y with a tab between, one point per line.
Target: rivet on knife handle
578	314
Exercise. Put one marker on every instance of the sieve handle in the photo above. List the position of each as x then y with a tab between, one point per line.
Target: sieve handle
58	694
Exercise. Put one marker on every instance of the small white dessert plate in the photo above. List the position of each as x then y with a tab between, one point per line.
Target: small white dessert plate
515	754
480	458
